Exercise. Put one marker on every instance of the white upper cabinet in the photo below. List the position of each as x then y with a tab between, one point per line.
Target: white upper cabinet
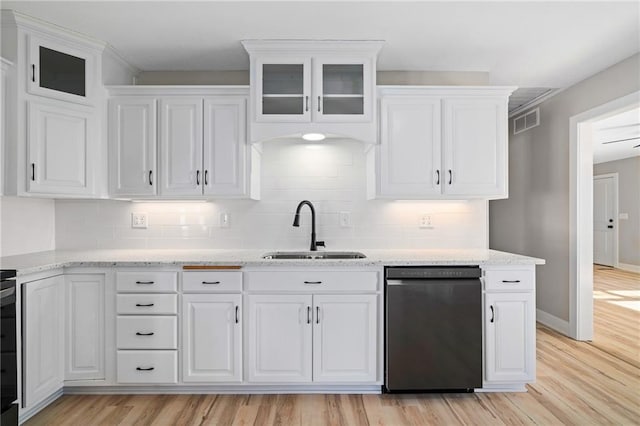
60	149
302	86
132	146
441	143
181	146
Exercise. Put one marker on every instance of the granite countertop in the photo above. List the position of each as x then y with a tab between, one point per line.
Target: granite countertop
48	260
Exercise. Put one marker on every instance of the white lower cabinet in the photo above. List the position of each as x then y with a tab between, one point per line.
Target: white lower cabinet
84	330
211	338
509	324
145	367
312	338
43	334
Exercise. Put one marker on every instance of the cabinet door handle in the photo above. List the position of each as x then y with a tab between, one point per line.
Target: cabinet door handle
493	314
144	305
313	282
317	315
450	176
610	226
33	172
306	100
145	334
237	316
210	282
145	369
308	314
198	177
206	177
511	281
151	177
33	73
145	282
319	104
437	177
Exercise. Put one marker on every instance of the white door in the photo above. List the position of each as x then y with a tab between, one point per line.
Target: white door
84	330
225	145
344	338
410	147
283	89
132	146
60	149
181	146
604	220
43	350
211	338
510	337
475	147
280	338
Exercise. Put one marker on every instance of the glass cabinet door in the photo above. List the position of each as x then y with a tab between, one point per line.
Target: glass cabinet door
343	92
283	92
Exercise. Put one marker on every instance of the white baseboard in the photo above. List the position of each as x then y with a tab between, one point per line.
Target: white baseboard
629	267
553	322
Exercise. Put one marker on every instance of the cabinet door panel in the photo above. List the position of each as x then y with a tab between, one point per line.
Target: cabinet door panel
475	143
84	327
43	364
132	145
344	338
181	146
211	338
283	89
510	337
279	338
60	149
224	146
410	147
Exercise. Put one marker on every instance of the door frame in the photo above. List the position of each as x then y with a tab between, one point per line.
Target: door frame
616	205
581	212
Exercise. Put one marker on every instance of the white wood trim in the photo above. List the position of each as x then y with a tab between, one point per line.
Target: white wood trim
224	389
629	267
616	228
311	47
581	213
156	90
552	321
534	102
448	91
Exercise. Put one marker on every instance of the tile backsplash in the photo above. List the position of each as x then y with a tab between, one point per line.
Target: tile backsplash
330	174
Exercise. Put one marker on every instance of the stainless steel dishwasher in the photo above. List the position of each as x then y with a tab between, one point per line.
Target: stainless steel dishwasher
433	329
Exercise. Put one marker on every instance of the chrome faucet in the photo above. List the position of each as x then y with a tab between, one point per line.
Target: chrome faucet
296	222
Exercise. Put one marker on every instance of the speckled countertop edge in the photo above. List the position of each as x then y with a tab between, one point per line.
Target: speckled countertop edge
57	259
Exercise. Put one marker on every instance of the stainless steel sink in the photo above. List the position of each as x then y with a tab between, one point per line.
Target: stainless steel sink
304	255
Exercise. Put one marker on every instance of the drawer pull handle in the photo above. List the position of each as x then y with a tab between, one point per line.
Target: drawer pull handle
511	281
145	282
144	334
237	317
145	369
313	282
144	305
210	282
493	314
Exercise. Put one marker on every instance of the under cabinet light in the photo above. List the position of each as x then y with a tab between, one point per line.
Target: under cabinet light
313	137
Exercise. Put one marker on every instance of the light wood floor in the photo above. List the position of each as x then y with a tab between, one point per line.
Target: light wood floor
578	383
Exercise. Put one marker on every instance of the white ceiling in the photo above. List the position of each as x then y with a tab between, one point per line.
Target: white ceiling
528	44
616	137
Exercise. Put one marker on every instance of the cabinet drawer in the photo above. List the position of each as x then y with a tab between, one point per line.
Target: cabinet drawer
312	281
147	332
211	282
147	282
147	367
509	279
147	304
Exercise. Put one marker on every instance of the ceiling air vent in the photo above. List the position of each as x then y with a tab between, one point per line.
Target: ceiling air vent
526	121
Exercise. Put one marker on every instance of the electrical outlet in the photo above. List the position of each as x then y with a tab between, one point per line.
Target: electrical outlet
224	220
139	220
345	219
426	221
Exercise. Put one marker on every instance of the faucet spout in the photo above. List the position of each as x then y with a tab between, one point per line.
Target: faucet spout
296	222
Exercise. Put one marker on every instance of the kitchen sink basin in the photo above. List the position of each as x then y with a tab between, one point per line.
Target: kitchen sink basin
306	255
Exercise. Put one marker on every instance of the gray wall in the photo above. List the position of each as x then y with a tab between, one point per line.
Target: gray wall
454	78
628	202
535	219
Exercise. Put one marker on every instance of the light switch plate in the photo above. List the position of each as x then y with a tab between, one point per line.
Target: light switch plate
345	219
139	220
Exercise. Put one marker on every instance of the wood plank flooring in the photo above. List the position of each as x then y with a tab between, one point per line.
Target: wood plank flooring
578	383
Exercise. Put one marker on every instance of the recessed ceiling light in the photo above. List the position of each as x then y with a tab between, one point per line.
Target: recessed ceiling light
313	137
